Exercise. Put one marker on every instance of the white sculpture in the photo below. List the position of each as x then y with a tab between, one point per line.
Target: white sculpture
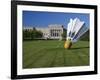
75	30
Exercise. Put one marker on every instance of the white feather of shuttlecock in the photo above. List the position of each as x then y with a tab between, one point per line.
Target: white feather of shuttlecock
76	29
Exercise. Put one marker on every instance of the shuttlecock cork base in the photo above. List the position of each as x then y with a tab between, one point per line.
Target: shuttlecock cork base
67	44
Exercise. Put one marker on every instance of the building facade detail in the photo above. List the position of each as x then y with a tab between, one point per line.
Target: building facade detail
53	31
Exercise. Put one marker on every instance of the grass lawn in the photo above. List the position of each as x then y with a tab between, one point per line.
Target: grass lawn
51	53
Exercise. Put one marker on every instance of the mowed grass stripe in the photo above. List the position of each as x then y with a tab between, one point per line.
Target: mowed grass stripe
34	48
51	53
45	60
84	57
81	61
31	54
64	57
32	59
72	59
59	60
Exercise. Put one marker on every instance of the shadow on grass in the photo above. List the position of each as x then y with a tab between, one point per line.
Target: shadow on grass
59	49
74	48
53	49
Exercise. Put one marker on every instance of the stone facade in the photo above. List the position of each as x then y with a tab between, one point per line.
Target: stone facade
53	31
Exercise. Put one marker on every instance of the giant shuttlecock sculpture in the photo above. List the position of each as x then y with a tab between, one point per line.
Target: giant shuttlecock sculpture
75	29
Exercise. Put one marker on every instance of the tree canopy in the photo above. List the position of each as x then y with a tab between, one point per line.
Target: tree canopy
31	34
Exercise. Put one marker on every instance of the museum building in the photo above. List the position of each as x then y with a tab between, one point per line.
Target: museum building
53	31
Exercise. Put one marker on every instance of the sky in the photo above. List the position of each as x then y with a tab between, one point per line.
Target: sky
43	19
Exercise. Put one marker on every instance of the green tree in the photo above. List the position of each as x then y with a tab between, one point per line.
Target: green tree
85	37
64	34
26	34
31	34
